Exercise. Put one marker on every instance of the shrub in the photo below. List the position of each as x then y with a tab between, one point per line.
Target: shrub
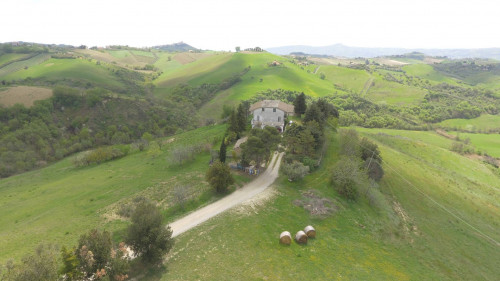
347	177
295	171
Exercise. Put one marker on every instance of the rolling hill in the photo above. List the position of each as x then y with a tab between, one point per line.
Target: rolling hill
433	216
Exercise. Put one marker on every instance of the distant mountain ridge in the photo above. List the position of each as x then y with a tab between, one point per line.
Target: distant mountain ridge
340	50
176	47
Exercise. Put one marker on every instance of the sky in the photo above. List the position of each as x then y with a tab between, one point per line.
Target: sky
225	24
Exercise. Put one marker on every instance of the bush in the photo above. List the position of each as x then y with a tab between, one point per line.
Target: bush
295	171
100	155
347	177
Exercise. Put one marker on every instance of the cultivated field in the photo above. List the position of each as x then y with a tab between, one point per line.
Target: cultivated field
24	95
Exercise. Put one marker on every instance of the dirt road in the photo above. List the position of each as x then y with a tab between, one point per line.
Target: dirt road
246	192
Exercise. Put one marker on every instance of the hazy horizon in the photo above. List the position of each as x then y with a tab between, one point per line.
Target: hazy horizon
224	24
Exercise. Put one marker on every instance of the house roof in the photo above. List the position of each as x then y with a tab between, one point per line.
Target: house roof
288	108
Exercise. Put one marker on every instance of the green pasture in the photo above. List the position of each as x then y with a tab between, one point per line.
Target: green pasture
351	79
74	69
427	72
484	122
388	92
485	143
120	54
19	66
404	235
60	202
5	58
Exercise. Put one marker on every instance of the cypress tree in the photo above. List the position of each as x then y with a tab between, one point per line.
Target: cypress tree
241	117
300	104
222	151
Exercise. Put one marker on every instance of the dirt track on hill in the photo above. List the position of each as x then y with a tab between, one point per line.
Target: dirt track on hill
239	196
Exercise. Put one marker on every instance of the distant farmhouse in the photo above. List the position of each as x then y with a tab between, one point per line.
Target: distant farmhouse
270	113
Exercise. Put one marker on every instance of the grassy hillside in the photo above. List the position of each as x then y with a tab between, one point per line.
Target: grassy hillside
80	70
405	236
59	203
484	122
352	79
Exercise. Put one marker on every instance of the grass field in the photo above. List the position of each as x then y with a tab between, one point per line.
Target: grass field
486	143
483	123
262	77
405	236
5	58
352	79
426	71
387	92
59	203
20	65
75	69
23	95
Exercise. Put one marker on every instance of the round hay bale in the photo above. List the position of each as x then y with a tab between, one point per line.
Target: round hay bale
285	238
301	237
310	231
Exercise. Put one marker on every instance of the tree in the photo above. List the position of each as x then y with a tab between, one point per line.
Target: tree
253	149
222	150
313	112
322	76
241	117
349	143
295	171
300	104
219	177
94	251
147	236
233	122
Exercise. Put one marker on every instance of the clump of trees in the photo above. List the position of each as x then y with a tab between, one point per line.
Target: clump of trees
100	155
295	170
260	144
359	167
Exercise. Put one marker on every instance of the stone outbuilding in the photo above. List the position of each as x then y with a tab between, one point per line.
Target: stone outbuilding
270	113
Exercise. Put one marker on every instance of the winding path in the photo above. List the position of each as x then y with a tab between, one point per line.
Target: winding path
246	192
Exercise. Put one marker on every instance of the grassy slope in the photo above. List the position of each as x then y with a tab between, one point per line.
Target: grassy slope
426	71
59	203
20	65
360	242
483	122
287	76
388	92
77	69
486	143
5	58
353	79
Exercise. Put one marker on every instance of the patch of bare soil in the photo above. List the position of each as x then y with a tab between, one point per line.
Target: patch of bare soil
24	95
315	204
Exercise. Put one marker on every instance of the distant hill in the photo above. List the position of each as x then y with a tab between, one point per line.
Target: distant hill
176	47
340	50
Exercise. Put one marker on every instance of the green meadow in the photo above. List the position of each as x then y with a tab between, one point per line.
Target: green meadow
484	122
485	143
431	219
352	79
20	66
73	69
58	203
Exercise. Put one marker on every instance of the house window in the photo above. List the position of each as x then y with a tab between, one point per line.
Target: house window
279	118
262	109
274	109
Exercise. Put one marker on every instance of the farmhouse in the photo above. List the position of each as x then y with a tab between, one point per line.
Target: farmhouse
270	113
